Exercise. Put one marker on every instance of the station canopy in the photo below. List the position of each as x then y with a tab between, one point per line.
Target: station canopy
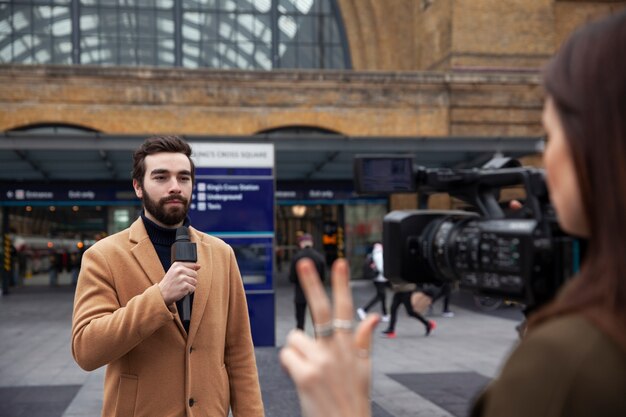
91	156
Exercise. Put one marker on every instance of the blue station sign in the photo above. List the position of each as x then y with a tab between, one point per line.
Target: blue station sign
233	199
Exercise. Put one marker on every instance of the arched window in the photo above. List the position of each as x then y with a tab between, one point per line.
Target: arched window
53	129
226	34
297	130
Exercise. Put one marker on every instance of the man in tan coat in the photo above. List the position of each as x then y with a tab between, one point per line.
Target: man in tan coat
126	309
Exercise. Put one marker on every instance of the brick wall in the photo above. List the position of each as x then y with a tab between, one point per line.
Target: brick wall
571	14
140	101
502	34
479	48
462	34
433	39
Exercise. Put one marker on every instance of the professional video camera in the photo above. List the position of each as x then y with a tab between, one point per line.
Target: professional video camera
519	255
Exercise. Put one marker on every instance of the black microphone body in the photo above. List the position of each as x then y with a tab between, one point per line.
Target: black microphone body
183	250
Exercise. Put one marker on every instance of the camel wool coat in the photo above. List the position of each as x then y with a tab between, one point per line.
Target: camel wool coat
153	368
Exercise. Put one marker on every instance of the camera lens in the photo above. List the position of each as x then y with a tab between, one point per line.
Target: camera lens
446	244
480	254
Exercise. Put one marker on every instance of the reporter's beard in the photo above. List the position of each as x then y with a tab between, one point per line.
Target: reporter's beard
169	216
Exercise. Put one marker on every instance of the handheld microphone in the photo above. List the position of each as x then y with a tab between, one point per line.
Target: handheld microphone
183	250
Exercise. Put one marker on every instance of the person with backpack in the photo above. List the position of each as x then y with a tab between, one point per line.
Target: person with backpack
305	242
374	267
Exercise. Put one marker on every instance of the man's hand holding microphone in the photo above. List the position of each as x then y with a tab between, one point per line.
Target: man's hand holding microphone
182	277
180	280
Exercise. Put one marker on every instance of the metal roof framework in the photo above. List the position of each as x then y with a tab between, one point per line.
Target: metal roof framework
92	156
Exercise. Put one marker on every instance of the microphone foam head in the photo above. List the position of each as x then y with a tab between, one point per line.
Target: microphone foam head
182	234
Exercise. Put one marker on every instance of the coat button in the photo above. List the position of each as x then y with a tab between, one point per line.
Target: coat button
190	350
191	402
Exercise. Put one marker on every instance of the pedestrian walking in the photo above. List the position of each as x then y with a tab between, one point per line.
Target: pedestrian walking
442	292
402	297
305	242
380	284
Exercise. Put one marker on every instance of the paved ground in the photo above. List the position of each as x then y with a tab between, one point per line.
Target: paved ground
413	375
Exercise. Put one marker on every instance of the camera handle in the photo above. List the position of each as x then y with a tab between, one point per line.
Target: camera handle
481	187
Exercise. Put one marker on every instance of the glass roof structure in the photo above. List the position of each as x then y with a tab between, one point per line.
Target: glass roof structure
222	34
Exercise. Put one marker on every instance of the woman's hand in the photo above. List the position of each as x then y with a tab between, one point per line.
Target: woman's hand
332	373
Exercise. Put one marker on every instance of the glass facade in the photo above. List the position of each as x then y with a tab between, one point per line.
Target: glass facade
36	32
224	34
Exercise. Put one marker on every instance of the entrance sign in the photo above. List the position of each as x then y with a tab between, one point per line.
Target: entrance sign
233	199
67	194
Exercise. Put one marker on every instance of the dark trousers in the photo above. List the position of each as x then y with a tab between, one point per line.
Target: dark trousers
381	295
403	298
300	314
446	291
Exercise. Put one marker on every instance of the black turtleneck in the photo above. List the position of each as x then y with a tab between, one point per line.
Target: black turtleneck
162	239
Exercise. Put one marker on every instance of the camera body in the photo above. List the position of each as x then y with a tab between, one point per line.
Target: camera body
519	255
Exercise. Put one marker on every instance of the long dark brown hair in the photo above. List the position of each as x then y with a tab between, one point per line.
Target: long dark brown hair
157	144
587	81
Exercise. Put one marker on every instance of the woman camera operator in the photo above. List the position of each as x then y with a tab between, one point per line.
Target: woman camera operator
572	359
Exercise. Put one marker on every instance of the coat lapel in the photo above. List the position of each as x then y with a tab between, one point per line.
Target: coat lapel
146	256
144	252
205	278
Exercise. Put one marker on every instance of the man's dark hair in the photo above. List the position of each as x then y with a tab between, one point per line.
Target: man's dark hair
157	144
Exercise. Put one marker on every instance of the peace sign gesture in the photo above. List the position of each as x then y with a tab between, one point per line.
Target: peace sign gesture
332	373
